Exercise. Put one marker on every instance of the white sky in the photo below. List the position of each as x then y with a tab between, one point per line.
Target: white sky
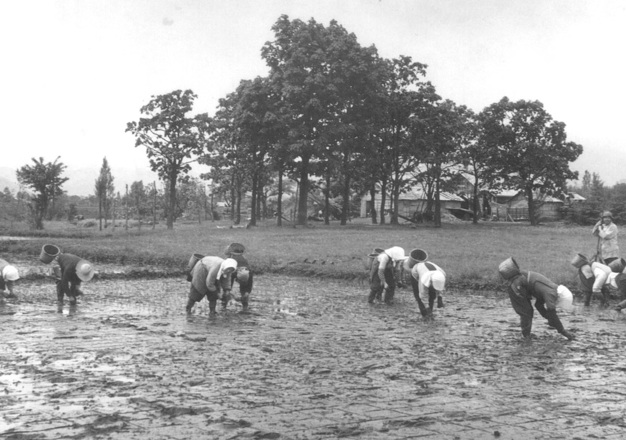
76	71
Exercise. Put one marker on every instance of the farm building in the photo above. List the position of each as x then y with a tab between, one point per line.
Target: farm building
410	202
512	205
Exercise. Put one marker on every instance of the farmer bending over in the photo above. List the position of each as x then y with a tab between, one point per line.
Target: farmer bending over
209	277
382	272
525	286
593	277
243	274
9	275
74	270
428	281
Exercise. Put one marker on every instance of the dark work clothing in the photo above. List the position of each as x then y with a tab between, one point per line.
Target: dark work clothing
244	288
69	283
376	285
532	285
620	281
432	295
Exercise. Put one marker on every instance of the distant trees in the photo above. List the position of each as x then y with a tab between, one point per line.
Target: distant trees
171	139
45	179
332	115
104	190
13	207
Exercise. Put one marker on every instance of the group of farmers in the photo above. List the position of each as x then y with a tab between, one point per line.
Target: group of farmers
386	267
210	276
71	272
214	277
603	273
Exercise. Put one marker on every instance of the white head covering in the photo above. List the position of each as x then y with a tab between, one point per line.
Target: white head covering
10	273
396	253
84	270
229	262
565	299
434	277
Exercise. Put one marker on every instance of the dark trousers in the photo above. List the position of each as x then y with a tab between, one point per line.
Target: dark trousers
432	294
376	285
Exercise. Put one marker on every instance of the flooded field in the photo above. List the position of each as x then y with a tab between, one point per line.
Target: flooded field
311	360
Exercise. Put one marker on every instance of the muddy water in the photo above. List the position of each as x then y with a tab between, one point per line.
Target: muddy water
311	359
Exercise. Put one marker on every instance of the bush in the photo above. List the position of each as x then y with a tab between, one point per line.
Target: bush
88	223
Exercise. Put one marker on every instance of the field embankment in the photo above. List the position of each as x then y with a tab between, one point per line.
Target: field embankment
469	253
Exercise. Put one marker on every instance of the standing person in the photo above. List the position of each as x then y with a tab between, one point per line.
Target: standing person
8	276
243	274
524	286
606	231
211	276
593	277
428	281
74	270
382	274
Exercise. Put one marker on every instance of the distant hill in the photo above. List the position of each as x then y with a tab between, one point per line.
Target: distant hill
81	181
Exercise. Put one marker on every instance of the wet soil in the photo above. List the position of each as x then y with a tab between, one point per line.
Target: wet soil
310	360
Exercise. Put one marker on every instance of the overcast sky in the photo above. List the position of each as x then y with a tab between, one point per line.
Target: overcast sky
76	71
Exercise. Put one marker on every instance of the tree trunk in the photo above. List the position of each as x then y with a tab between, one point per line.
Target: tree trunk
475	205
531	207
255	195
304	192
100	211
383	200
373	202
395	202
238	206
346	200
279	201
327	201
437	200
172	202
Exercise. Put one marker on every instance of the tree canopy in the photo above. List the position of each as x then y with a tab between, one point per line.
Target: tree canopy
529	150
171	138
45	179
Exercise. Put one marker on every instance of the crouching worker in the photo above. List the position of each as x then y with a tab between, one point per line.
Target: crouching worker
243	274
524	286
382	274
8	276
211	277
593	277
428	281
74	270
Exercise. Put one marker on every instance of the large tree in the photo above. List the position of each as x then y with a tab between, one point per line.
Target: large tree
440	133
45	179
105	191
171	138
313	68
406	97
529	150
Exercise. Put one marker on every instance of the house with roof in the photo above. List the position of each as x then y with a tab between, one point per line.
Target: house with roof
410	202
512	205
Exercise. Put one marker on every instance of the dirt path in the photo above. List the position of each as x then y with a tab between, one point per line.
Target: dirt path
311	361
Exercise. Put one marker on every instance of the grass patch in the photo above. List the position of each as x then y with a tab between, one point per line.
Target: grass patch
470	254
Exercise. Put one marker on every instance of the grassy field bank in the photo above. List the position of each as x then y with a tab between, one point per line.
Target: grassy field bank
469	253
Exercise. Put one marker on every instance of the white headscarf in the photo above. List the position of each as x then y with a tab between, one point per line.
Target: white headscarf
10	273
396	253
229	262
565	299
435	277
